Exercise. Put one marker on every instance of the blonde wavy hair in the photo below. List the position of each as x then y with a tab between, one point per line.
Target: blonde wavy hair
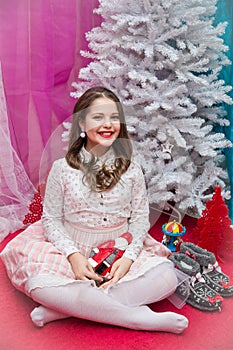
108	175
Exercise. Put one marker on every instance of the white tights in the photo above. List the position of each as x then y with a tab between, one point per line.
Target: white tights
124	305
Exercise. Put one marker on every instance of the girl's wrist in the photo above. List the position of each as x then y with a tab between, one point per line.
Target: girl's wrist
73	255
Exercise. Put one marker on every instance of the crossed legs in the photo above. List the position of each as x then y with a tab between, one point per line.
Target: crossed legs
125	305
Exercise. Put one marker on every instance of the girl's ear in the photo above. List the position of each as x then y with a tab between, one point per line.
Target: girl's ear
81	124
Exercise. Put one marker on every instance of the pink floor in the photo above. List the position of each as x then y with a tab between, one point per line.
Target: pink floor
207	331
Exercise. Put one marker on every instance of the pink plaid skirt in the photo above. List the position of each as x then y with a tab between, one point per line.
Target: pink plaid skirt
33	262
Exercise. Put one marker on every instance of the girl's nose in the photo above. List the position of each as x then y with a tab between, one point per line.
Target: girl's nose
107	122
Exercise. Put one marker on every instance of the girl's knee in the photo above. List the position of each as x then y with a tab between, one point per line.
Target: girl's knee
171	278
165	275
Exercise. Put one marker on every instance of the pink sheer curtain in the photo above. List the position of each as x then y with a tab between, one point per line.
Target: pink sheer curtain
16	189
39	52
40	43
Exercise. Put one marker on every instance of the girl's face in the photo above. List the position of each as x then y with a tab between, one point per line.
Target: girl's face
101	124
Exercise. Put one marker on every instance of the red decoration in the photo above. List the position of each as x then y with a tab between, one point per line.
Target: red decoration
103	256
35	209
213	300
227	284
213	230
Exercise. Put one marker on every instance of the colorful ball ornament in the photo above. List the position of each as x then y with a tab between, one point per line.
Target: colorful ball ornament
172	232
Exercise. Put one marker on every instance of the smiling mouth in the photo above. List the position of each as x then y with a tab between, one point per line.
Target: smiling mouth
106	134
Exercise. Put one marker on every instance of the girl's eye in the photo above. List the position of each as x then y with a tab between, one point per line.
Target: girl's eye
115	117
97	117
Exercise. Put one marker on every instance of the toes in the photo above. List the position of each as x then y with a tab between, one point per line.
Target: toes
36	318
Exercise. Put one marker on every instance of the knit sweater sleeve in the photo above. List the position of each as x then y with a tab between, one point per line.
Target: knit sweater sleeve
53	212
139	219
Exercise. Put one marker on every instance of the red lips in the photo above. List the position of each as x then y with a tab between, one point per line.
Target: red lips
106	134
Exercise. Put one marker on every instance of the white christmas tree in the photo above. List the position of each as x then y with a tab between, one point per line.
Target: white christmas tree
163	59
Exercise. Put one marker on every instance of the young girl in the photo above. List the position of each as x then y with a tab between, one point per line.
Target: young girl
94	195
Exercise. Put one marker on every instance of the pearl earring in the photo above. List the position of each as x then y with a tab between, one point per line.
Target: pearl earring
82	134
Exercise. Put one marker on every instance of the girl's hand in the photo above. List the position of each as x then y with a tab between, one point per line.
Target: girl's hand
82	268
119	269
